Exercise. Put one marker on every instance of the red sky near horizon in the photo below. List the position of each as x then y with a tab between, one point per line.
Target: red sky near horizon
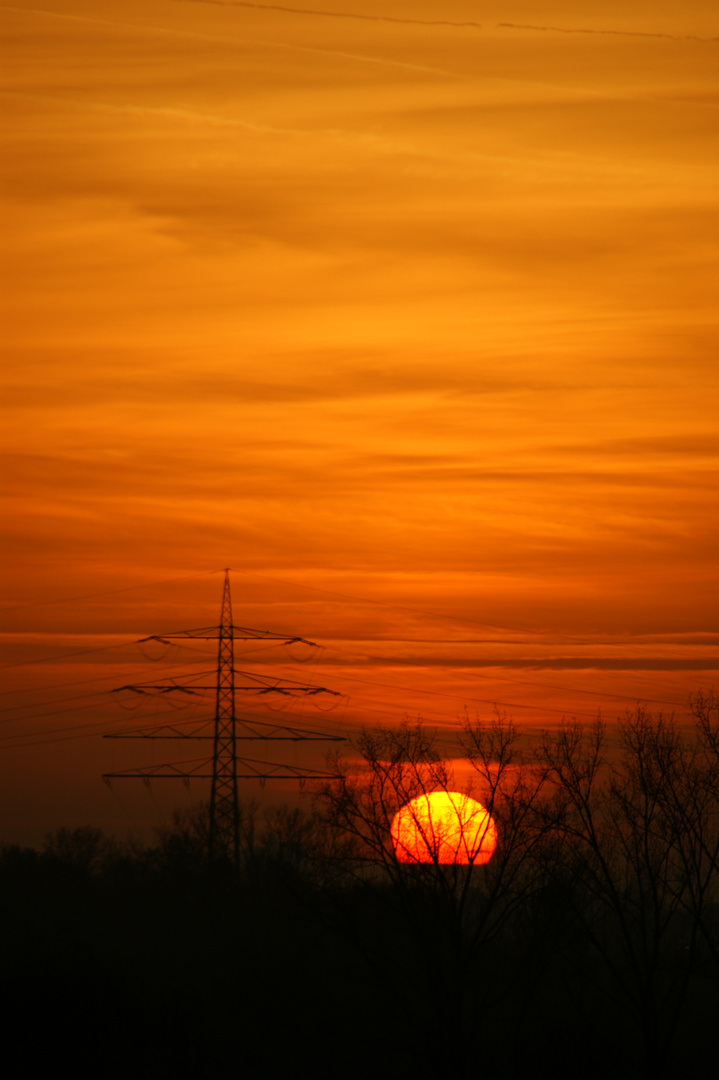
413	325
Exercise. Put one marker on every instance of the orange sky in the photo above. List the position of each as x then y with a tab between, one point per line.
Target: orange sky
413	325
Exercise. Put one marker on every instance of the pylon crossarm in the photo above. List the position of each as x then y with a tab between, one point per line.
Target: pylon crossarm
203	730
256	731
264	685
260	684
275	771
177	770
239	633
160	688
205	633
242	633
256	770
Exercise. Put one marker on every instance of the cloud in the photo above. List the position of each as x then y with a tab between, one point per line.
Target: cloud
569	663
595	30
695	445
335	14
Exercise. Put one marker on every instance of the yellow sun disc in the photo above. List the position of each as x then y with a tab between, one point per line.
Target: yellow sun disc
443	827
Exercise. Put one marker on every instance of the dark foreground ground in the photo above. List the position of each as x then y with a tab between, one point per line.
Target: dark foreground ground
145	963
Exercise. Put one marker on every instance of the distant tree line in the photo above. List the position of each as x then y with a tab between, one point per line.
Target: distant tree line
588	944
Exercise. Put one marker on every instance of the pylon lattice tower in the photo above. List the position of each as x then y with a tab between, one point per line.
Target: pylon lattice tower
225	768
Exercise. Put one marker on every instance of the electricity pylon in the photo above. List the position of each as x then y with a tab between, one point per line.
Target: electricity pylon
227	729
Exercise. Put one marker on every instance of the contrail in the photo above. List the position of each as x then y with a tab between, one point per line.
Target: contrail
114	23
443	22
616	33
223	40
332	14
187	115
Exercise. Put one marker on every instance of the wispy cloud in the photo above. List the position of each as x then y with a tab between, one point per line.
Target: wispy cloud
142	28
571	663
322	13
334	14
594	30
181	115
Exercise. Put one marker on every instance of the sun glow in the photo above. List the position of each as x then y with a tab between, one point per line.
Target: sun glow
444	827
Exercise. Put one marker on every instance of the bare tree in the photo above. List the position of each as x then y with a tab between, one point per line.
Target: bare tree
85	848
694	794
453	921
638	830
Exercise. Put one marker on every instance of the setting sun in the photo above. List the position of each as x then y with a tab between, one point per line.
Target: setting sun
444	827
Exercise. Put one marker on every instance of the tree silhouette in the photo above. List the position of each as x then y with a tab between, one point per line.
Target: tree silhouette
637	827
455	924
589	939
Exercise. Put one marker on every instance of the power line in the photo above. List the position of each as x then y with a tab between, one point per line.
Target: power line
224	768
